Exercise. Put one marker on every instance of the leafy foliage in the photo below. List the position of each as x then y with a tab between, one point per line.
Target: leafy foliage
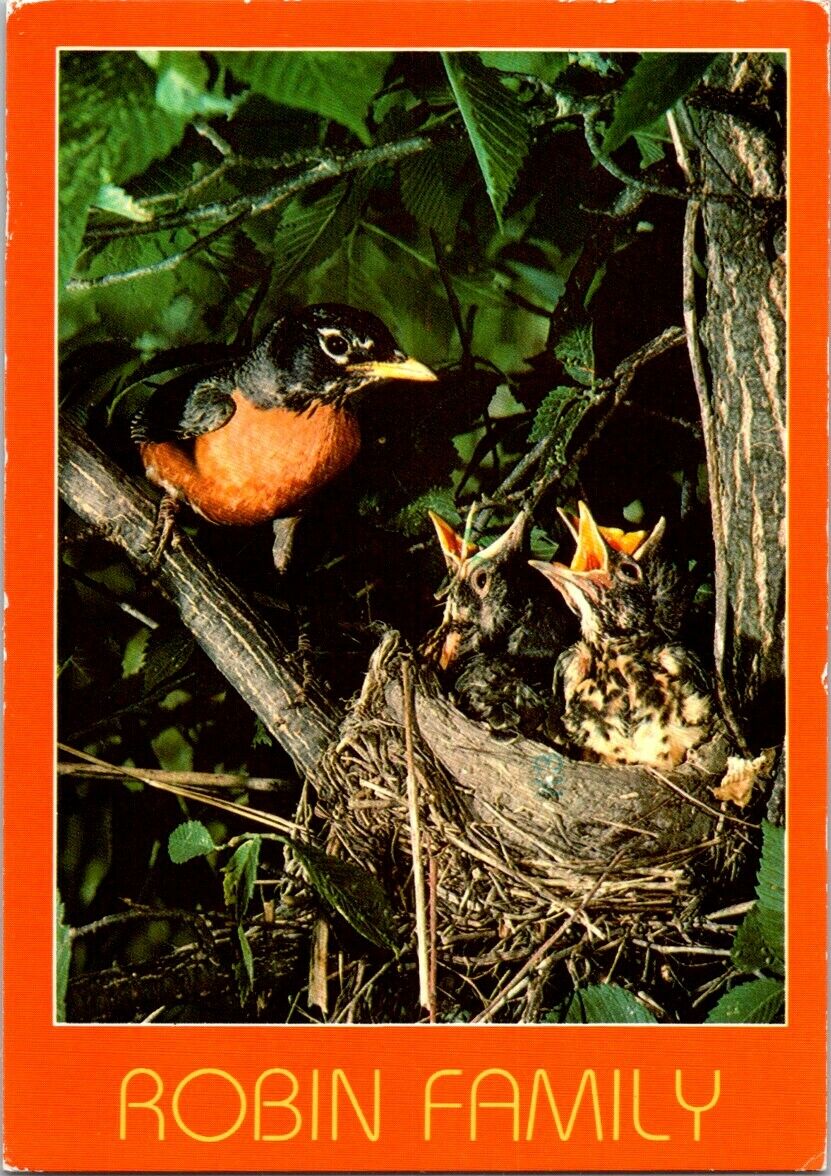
760	943
240	876
606	1004
656	84
758	1002
333	85
354	894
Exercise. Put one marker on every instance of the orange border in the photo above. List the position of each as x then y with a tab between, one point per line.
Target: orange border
61	1083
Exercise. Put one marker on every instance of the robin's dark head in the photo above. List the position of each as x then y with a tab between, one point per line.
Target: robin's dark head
324	354
493	604
616	584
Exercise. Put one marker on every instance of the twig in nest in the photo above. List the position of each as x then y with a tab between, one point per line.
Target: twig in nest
425	995
714	812
318	990
539	955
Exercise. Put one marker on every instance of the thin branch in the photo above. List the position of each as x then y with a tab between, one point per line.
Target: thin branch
206	780
326	167
425	996
288	828
614	395
593	143
157	267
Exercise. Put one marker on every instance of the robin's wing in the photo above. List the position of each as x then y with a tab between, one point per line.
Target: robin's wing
180	409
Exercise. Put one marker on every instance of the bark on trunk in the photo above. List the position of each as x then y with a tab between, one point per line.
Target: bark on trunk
743	399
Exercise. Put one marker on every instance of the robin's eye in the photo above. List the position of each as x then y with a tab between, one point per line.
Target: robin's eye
334	344
630	571
480	580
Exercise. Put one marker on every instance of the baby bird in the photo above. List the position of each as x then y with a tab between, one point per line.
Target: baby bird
631	693
501	632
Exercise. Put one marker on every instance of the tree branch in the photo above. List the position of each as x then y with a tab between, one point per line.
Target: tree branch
239	641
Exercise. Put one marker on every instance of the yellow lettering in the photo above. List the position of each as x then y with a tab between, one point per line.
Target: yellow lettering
372	1133
615	1104
541	1080
287	1103
315	1103
697	1112
636	1109
429	1104
512	1105
183	1085
149	1104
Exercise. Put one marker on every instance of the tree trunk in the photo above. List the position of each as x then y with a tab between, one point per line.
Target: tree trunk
742	394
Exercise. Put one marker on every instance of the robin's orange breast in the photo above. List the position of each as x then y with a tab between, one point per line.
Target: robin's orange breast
264	464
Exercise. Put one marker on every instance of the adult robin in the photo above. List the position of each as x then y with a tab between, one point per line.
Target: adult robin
254	442
501	632
631	692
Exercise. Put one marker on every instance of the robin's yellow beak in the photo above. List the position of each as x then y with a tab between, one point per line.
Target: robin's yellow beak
405	368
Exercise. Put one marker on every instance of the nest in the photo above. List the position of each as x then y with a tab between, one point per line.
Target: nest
532	864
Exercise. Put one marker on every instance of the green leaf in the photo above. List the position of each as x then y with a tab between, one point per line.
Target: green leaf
758	1002
650	147
240	875
189	840
133	657
354	893
546	66
111	198
110	129
770	892
261	737
495	123
750	952
63	958
245	970
333	85
544	285
309	233
412	520
434	187
576	352
173	751
181	88
599	63
167	654
560	414
607	1004
656	84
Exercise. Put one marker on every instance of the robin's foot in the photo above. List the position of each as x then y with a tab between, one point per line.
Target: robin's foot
163	533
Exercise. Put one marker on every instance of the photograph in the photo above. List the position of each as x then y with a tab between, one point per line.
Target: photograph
421	570
416	612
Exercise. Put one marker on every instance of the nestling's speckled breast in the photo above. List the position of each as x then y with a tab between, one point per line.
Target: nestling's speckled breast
635	704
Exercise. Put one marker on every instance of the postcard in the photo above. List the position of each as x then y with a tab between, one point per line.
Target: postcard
416	604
